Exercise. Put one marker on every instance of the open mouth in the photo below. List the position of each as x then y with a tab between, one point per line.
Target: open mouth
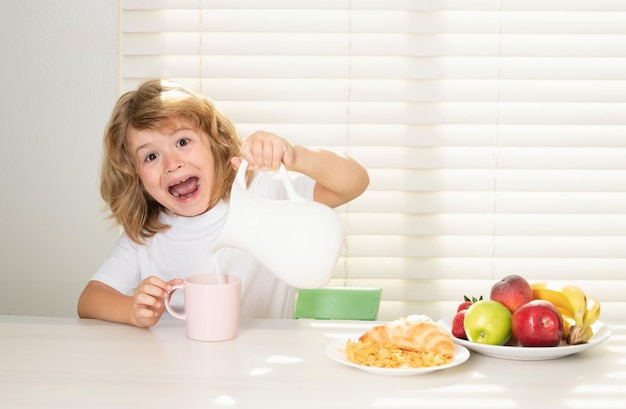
184	187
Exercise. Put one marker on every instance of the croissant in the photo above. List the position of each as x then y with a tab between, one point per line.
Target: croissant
414	333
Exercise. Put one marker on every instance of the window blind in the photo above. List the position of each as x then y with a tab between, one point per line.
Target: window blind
494	131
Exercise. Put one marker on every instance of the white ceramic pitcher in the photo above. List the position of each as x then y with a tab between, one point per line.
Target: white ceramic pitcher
297	240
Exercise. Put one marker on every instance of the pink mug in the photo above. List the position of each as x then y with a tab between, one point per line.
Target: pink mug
211	306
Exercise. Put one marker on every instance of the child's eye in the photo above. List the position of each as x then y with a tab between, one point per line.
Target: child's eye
150	157
182	142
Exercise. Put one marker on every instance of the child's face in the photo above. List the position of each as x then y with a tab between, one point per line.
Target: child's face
176	166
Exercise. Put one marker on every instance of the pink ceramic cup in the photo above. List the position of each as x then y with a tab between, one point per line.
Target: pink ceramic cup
211	309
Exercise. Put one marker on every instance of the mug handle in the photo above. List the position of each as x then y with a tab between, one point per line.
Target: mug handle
167	303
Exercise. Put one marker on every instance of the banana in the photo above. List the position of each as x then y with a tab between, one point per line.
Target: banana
567	324
593	311
578	310
543	291
586	334
568	321
577	299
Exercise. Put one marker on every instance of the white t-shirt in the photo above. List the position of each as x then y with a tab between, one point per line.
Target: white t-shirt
184	250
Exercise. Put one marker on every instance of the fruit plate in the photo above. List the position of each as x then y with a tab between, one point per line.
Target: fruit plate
601	333
336	351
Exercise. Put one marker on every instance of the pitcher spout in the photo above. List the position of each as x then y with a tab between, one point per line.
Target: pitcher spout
221	242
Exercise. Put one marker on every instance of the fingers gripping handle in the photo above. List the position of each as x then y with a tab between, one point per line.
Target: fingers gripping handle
167	303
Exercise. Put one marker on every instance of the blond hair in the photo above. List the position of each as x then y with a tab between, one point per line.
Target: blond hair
151	106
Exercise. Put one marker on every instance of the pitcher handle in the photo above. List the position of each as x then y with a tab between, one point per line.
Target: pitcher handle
284	175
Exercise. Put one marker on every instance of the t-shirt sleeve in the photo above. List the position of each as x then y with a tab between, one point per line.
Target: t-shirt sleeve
121	269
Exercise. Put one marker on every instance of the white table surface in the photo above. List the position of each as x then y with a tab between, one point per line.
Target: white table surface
73	363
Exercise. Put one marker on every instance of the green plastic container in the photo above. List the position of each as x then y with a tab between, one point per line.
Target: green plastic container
339	303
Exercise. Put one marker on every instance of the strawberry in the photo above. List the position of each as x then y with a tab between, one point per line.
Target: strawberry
458	329
466	304
463	306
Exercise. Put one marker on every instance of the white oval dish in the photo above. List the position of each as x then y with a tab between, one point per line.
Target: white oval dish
601	333
336	351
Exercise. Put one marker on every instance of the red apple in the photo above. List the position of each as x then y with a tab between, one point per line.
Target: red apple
513	291
537	324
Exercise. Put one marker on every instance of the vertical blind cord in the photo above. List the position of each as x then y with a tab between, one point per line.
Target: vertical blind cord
348	135
200	74
494	210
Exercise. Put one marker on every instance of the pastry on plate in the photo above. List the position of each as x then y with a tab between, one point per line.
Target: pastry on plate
411	342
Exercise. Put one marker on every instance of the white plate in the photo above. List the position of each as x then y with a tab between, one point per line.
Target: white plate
336	351
600	333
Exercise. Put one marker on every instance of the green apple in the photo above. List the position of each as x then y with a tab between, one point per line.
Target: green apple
488	322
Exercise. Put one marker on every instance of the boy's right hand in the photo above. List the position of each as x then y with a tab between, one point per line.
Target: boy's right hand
149	300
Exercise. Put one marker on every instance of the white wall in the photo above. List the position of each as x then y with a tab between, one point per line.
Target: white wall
59	83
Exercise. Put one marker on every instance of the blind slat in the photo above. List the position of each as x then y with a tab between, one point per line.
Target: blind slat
484	246
487	224
443	135
524	202
408	68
